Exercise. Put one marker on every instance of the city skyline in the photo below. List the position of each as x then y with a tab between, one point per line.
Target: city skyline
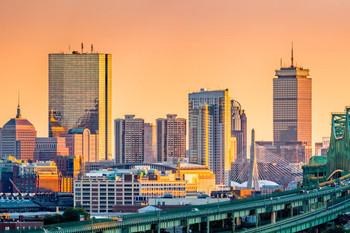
324	53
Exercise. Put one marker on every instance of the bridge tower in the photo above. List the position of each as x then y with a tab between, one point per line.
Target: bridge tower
253	176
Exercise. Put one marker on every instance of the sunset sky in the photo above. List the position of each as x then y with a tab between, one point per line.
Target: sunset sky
164	49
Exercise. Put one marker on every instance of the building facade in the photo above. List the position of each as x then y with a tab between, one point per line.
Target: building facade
47	149
292	106
239	128
82	144
150	143
210	140
129	138
80	94
18	138
98	192
171	137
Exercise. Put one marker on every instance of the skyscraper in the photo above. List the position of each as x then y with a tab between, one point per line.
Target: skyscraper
18	138
239	128
171	137
292	105
80	94
150	142
210	132
129	138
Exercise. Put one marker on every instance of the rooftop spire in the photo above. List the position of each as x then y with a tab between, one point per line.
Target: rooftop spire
52	118
18	108
292	57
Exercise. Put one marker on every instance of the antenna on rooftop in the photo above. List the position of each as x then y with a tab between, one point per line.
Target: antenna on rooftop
292	57
92	48
18	100
82	47
69	49
281	63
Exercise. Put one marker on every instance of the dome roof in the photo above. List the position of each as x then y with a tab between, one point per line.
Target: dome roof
261	183
77	131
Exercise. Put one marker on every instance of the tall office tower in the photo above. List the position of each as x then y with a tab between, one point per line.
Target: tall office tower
292	101
18	138
150	142
239	128
171	137
80	93
129	140
210	137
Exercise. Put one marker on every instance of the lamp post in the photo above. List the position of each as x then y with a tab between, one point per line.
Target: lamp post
209	195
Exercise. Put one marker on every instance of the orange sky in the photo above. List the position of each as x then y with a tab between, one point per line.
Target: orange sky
164	49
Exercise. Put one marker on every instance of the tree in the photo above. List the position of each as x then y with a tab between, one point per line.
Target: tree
336	229
278	191
73	214
52	219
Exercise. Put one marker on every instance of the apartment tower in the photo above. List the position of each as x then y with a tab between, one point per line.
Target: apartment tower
210	140
171	137
129	140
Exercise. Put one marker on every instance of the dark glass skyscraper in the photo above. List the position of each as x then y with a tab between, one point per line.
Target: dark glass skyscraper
80	93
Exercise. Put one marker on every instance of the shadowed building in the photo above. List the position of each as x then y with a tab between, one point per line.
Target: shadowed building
47	149
18	138
80	94
239	128
171	137
129	137
150	142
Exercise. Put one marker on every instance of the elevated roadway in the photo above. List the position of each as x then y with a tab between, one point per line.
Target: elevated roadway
305	210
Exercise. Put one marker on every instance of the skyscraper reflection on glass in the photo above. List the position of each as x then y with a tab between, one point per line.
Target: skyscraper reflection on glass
80	91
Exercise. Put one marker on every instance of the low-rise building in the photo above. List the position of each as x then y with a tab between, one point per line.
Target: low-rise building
47	149
99	191
155	185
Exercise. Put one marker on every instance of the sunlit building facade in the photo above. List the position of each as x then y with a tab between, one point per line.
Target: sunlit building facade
80	94
18	138
210	140
292	106
55	128
82	144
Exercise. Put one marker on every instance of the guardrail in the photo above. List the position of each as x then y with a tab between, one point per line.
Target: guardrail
185	213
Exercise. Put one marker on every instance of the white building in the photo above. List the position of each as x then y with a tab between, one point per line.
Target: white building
99	191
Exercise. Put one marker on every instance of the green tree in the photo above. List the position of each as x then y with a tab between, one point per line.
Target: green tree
278	191
337	229
52	219
73	214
